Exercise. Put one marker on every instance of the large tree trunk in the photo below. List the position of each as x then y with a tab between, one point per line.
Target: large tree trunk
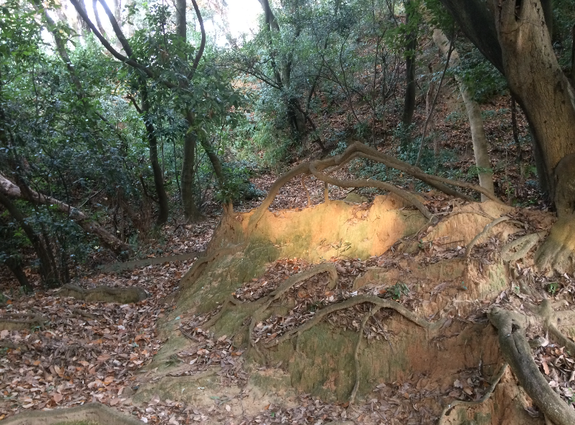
538	83
478	138
514	36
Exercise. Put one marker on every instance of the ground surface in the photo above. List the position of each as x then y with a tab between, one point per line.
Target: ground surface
167	364
86	352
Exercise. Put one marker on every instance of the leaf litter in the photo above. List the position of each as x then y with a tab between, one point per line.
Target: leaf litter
94	352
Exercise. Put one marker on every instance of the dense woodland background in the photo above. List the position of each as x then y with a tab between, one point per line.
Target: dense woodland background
121	122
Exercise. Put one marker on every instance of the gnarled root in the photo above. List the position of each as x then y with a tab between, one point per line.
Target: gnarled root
458	404
360	299
516	351
519	248
94	413
558	252
17	321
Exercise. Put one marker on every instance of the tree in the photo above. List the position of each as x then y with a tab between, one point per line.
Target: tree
515	37
411	24
144	109
482	162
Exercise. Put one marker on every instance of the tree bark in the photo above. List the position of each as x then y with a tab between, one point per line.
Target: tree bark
191	211
478	138
537	81
48	270
181	25
163	203
514	37
16	268
411	47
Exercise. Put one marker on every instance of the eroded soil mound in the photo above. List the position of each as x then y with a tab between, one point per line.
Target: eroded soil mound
401	330
361	314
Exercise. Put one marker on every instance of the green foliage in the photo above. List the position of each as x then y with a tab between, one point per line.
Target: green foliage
397	290
480	76
326	58
237	186
563	18
552	288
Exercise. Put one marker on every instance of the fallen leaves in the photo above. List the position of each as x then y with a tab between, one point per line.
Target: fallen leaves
85	351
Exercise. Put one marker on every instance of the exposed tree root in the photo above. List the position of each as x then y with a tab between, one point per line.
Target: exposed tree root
356	352
359	150
519	248
517	353
125	295
404	194
549	318
360	299
485	230
93	413
464	405
294	280
558	252
18	321
280	290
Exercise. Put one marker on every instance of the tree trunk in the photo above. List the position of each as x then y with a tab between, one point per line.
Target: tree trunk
191	211
16	268
48	270
153	144
411	47
475	120
539	85
181	18
214	159
515	38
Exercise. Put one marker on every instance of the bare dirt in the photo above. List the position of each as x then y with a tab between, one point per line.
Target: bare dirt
382	321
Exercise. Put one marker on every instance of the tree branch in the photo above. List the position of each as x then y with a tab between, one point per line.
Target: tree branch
202	43
8	188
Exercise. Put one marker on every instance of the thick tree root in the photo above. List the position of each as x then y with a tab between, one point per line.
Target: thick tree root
93	413
356	353
360	299
517	353
359	150
485	230
19	321
404	194
282	289
519	248
549	318
464	405
558	252
106	294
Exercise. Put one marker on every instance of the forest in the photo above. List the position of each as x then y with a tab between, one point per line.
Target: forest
347	211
